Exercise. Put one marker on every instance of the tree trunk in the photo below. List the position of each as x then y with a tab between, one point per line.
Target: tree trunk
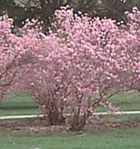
53	115
78	122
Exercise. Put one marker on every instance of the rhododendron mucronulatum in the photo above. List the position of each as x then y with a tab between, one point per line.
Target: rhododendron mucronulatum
83	61
15	52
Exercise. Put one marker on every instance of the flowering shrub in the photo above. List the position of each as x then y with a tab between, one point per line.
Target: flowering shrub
79	66
15	52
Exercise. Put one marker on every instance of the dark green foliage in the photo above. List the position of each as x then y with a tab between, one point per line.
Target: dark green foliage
7	3
106	8
44	9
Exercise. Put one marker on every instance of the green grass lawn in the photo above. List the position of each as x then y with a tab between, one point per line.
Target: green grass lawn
18	105
23	104
115	139
108	139
129	101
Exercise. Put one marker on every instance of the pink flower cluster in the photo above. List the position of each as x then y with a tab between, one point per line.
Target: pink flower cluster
15	52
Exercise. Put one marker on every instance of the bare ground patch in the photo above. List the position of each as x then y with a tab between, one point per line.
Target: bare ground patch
39	126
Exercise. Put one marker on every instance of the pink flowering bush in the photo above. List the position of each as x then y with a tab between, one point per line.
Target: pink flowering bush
78	66
15	52
94	59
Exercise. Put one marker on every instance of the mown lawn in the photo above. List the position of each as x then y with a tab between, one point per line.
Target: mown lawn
112	139
23	104
127	101
107	139
18	105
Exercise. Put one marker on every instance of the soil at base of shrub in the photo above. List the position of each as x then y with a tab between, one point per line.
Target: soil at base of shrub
39	126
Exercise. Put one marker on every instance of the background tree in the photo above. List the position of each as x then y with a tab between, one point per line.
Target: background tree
106	8
44	9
